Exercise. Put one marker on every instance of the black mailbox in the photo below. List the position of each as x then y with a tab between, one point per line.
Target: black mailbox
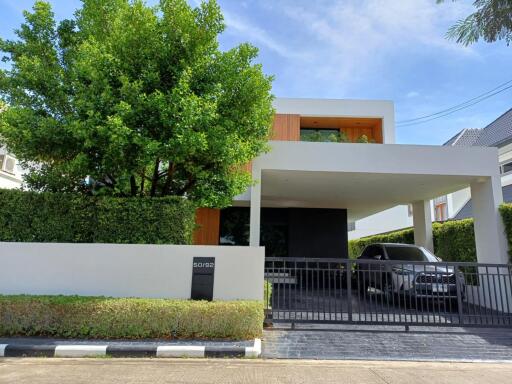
203	271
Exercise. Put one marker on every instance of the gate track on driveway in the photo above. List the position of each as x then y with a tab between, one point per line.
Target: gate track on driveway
366	342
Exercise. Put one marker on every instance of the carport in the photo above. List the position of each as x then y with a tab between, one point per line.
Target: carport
368	178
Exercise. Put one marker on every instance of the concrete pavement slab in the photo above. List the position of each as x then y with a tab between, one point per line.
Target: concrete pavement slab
227	371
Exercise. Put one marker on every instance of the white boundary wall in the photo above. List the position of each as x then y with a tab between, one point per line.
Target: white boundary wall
127	270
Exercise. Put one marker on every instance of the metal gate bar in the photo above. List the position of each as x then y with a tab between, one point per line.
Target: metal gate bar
323	290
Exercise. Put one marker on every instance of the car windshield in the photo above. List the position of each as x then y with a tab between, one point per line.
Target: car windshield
409	254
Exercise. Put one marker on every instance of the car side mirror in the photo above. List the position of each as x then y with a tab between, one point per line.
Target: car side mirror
377	257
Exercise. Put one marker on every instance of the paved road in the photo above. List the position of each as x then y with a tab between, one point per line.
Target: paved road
51	371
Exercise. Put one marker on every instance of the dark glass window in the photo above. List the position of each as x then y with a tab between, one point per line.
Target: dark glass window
507	167
235	227
371	251
408	254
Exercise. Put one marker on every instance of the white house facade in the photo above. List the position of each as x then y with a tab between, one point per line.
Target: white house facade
307	193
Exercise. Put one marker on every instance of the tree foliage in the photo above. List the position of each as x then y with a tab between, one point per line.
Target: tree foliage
135	100
492	21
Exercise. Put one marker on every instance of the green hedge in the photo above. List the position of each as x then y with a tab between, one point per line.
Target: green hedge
356	246
74	218
506	214
453	240
267	294
129	318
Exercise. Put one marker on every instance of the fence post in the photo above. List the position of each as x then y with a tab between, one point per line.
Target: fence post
348	274
459	294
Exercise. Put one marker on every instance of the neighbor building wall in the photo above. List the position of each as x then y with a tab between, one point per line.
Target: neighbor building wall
389	220
127	270
10	180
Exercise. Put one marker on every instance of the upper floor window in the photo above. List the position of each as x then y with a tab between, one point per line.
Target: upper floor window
325	135
506	167
441	212
7	164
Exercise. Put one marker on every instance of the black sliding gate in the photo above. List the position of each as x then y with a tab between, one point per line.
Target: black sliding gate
388	292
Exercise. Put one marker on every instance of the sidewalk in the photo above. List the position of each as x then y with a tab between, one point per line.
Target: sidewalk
117	371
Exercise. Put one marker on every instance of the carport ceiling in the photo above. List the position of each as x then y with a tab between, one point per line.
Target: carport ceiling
362	194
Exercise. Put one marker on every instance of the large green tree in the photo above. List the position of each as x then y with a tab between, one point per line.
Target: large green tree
132	100
491	21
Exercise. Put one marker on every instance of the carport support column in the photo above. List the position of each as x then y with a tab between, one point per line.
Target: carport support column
491	244
422	220
254	230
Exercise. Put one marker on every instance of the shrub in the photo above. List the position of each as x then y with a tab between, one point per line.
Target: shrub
506	214
355	247
453	240
128	318
267	294
73	218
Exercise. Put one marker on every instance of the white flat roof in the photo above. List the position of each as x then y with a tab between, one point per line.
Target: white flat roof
366	178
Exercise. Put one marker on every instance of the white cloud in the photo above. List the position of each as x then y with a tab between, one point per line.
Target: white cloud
340	48
359	34
258	35
412	94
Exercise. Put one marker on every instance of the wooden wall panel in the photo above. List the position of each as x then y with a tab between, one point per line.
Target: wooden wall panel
377	133
247	167
209	221
286	127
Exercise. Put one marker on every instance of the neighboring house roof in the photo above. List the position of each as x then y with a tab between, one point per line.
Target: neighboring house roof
498	133
465	138
466	211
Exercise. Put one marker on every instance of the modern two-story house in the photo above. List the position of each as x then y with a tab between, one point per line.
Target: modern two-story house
333	162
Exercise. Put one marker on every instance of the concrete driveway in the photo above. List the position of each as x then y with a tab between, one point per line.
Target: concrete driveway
358	342
51	371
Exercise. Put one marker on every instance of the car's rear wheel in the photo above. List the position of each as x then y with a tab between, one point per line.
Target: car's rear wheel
362	287
453	304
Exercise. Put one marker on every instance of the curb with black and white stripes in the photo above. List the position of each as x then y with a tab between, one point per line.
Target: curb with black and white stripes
142	350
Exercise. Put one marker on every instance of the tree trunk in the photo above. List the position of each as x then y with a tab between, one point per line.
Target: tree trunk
167	186
142	182
133	186
154	180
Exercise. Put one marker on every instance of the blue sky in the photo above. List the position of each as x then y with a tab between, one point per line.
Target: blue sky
372	49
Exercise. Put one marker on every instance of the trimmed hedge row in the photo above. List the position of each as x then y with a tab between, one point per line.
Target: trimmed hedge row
74	218
453	240
356	246
506	214
129	318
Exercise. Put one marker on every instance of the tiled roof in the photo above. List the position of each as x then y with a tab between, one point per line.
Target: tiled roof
465	138
496	133
466	211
